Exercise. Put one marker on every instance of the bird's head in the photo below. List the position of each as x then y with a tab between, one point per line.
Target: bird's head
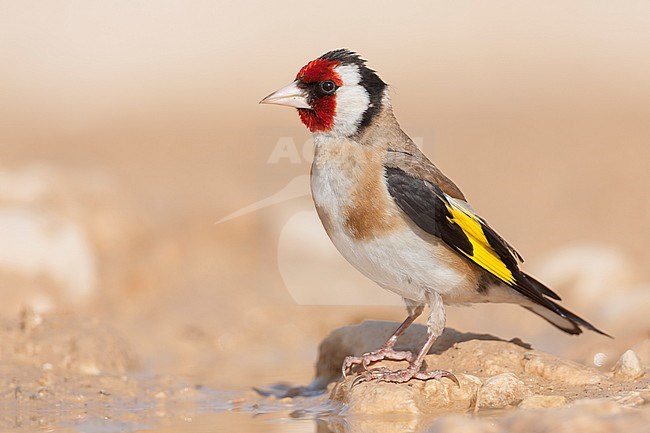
335	94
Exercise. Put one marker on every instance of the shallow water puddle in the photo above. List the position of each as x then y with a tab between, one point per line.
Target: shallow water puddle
202	409
212	412
277	421
228	422
105	425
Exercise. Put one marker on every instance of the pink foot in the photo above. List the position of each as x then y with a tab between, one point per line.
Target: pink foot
378	355
400	376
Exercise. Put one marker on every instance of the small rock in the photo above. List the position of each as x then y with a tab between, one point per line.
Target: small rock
555	369
445	394
414	397
381	397
46	379
542	402
29	319
629	399
89	368
628	367
501	391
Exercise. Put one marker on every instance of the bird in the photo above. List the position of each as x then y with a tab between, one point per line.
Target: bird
397	218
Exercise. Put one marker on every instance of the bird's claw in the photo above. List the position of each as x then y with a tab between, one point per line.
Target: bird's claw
378	355
368	375
400	376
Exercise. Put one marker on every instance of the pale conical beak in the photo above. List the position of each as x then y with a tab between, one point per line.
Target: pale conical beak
290	96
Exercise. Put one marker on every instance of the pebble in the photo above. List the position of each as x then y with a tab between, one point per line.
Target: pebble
416	397
542	401
630	399
628	367
501	391
568	372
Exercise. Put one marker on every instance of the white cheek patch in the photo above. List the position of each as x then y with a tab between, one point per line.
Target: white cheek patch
352	100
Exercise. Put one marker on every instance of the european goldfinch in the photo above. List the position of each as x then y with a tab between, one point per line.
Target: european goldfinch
396	217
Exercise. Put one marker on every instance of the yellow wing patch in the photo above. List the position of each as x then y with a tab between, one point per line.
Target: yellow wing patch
483	254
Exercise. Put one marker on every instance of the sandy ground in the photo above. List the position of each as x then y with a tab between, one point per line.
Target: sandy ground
160	253
78	374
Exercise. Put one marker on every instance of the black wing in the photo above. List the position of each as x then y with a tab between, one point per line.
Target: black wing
442	216
456	224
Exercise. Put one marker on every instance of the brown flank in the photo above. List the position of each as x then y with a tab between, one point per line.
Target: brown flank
372	212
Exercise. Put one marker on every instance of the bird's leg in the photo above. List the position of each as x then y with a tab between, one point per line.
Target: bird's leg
436	326
386	351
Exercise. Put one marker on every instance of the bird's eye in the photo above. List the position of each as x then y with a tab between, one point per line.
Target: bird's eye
328	87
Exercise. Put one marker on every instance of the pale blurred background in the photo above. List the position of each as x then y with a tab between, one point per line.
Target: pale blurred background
129	128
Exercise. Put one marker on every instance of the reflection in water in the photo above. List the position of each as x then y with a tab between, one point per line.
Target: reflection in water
284	422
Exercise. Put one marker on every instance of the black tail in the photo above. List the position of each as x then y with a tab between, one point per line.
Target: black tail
559	316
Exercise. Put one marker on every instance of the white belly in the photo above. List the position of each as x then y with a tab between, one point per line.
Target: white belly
401	261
